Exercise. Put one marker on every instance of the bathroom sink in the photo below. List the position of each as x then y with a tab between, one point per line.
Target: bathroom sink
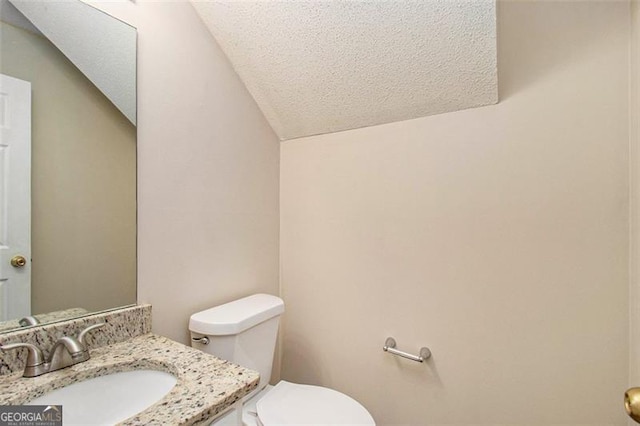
109	399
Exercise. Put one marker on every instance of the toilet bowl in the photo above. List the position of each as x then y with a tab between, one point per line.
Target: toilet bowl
244	332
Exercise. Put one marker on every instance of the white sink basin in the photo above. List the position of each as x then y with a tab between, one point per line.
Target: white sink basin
110	399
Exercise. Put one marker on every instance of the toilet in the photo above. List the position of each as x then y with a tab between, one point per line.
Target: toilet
244	332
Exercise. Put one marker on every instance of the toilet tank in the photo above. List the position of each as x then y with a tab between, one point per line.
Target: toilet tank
243	331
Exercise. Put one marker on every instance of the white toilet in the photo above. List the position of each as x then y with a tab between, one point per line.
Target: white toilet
244	332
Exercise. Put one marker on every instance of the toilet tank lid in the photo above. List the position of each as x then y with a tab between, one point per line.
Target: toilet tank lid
237	316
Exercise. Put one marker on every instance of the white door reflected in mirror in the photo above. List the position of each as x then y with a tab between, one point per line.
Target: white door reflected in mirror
15	198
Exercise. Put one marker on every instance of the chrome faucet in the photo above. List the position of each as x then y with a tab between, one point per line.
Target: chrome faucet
28	320
66	352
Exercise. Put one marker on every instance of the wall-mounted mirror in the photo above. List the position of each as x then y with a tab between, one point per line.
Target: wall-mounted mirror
67	161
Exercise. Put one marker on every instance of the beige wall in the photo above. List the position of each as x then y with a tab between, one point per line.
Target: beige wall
496	236
207	171
83	182
634	190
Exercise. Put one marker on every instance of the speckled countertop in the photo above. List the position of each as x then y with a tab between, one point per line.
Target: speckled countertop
205	387
45	318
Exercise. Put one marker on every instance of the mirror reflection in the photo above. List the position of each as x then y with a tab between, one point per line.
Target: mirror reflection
67	163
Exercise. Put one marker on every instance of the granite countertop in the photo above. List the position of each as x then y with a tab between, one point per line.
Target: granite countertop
205	384
45	318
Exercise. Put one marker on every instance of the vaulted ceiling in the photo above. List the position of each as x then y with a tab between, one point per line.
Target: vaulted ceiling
325	66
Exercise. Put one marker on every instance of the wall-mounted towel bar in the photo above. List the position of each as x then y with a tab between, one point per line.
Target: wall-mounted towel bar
390	346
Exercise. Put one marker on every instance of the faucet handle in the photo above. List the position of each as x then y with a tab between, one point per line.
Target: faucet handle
83	333
35	358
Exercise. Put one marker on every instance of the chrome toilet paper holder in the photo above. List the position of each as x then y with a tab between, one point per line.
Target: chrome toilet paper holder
390	346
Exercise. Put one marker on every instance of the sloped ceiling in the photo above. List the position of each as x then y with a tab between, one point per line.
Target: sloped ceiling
102	47
324	66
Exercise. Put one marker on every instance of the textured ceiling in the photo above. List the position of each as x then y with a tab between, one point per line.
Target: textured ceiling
324	66
101	47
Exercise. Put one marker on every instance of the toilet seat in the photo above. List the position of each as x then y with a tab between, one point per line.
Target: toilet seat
295	404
